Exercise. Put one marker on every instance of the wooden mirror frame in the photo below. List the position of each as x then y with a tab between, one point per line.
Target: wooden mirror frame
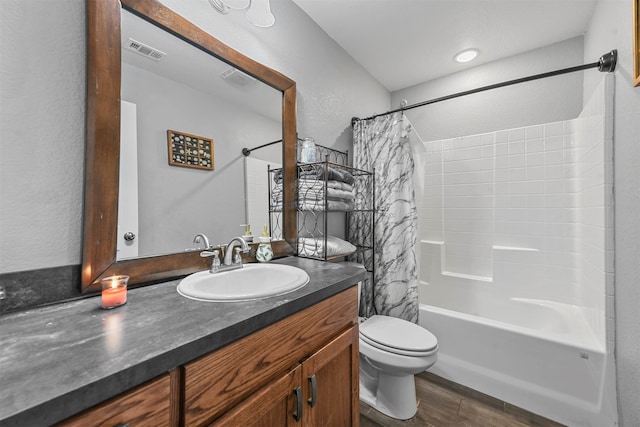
103	141
636	43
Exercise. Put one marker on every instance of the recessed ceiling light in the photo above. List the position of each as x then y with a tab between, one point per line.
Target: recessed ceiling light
467	55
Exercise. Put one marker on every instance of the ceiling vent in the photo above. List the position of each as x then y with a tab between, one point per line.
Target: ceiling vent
144	50
237	77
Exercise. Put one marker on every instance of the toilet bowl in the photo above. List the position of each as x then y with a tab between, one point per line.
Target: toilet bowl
392	351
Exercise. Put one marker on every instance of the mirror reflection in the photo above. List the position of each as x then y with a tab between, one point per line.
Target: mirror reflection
168	84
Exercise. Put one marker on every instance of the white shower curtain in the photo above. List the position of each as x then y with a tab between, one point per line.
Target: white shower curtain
382	144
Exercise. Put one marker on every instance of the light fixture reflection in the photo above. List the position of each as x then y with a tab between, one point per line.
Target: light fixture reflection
258	11
467	55
112	329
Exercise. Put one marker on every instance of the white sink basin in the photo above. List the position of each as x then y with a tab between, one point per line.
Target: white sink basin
253	281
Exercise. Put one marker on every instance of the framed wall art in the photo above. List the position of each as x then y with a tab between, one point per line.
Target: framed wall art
190	151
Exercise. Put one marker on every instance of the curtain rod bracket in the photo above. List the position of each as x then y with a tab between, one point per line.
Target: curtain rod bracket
608	61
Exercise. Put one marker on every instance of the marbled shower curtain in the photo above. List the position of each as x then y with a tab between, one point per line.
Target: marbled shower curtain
382	144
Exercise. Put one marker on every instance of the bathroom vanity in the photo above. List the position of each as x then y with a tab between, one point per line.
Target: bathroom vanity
163	359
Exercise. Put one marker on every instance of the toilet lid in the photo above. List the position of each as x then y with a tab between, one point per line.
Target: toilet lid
398	334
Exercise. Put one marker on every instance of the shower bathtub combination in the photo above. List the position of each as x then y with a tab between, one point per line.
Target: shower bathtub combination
516	262
548	371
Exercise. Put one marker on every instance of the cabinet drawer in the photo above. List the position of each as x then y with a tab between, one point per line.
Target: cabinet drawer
222	379
146	405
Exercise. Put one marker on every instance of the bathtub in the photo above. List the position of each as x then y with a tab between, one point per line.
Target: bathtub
538	355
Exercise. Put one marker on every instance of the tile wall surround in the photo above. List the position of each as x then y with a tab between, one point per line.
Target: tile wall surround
527	209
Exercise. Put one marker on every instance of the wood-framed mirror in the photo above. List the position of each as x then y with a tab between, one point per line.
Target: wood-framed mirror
103	141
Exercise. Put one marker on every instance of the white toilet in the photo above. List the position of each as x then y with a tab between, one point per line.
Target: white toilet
392	351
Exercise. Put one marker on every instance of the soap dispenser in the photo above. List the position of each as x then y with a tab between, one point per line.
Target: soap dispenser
264	252
247	236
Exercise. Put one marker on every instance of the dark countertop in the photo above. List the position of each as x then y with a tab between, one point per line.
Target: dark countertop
58	360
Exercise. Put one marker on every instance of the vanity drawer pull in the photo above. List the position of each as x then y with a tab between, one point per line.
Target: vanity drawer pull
312	399
298	414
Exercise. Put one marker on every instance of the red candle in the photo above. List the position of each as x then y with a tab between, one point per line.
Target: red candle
114	291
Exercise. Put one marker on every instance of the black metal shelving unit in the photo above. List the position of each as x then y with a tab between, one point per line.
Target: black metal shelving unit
319	202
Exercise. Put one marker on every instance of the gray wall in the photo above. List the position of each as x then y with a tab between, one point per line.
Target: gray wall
176	203
332	87
611	28
42	133
541	101
42	110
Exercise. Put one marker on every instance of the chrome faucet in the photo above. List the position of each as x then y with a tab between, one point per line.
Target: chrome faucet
229	258
231	261
205	240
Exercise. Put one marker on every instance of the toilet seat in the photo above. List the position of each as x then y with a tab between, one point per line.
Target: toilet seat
398	336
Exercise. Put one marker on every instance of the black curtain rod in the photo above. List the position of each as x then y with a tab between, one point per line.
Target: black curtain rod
247	151
606	64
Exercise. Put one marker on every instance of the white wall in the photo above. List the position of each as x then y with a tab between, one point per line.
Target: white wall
611	28
541	101
42	109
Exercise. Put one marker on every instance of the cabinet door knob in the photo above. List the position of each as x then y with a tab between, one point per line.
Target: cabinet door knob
129	237
312	399
298	414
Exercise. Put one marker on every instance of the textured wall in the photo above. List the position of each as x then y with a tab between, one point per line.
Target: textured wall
42	133
611	28
42	120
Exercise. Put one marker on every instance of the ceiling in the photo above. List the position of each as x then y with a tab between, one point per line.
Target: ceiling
406	42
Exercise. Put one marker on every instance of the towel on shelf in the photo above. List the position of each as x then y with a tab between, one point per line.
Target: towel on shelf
331	183
315	192
319	185
318	205
311	196
317	171
314	246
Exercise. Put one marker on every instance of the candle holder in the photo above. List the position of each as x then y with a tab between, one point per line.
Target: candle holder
114	291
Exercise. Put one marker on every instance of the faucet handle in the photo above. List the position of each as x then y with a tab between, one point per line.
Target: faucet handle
237	258
215	262
205	254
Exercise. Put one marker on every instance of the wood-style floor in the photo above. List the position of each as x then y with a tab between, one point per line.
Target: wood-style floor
442	403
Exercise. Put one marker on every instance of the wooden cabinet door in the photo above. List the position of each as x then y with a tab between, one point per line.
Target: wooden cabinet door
278	404
219	381
330	382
